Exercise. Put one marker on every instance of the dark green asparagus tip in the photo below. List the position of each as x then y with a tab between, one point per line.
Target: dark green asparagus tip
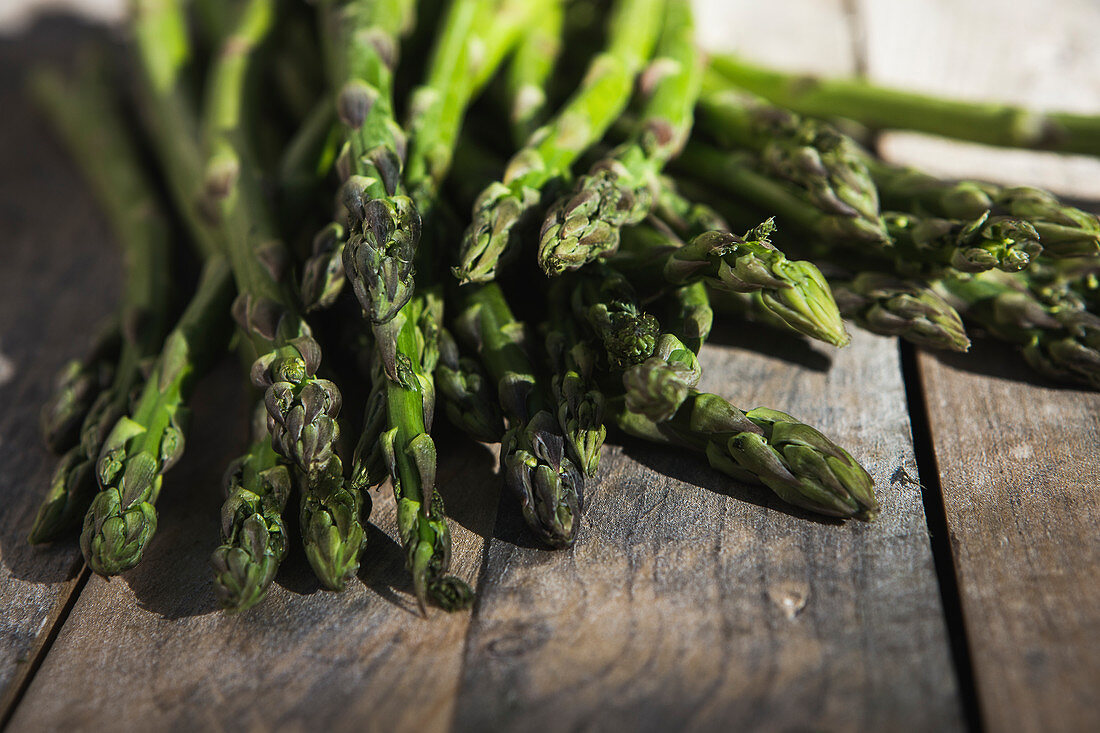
1065	231
629	335
496	213
76	387
71	490
468	397
122	519
323	273
450	593
586	225
332	528
548	484
658	386
886	305
378	258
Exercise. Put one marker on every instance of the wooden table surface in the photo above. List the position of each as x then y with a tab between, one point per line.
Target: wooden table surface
688	601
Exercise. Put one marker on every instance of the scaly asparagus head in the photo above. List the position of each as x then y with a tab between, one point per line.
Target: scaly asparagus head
254	540
799	464
573	386
608	304
1064	231
889	306
985	243
658	386
323	271
796	291
331	519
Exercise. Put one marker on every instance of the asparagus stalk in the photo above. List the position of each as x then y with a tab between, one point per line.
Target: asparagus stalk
550	152
907	308
254	539
531	68
143	445
619	189
573	384
690	316
532	457
796	291
301	407
1060	340
1063	231
986	123
763	446
88	404
362	48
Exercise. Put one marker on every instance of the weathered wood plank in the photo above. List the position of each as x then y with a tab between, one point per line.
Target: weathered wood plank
691	602
1016	456
59	277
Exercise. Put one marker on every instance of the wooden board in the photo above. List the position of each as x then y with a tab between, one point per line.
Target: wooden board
1016	456
53	290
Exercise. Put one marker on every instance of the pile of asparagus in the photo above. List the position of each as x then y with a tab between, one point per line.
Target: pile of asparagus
396	177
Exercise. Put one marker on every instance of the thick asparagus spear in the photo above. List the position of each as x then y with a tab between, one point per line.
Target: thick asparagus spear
1060	340
148	441
531	68
254	539
532	457
550	152
96	392
619	189
907	308
798	463
987	123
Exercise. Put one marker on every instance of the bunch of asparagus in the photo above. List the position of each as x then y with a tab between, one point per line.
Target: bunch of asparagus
302	155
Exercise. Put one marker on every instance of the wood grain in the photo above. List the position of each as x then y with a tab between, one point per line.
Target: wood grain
60	275
1016	456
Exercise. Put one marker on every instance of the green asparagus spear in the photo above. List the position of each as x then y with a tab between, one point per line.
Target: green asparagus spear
84	116
690	316
619	189
254	540
1060	340
532	457
892	307
764	446
985	243
467	394
531	69
550	152
143	445
986	123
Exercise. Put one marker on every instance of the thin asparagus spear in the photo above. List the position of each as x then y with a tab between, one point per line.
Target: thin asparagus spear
619	189
532	456
301	408
910	309
987	123
531	67
362	41
796	291
573	384
254	539
1063	231
547	157
1060	340
690	315
143	445
83	114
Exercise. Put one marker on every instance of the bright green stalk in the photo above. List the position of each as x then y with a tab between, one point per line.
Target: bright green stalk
552	150
987	123
301	408
531	68
910	309
1060	340
254	539
532	455
796	291
148	441
619	189
83	114
763	446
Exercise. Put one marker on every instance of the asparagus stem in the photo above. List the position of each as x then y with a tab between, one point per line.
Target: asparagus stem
987	123
550	152
96	392
143	445
619	189
532	456
764	446
691	316
254	540
531	68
